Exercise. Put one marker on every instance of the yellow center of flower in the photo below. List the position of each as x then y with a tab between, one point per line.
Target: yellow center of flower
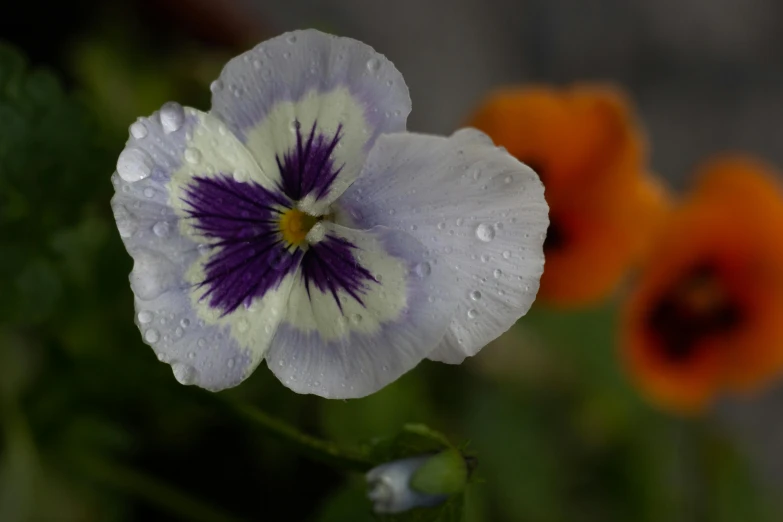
295	224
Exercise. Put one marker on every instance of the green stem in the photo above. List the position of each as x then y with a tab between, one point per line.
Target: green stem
313	447
154	491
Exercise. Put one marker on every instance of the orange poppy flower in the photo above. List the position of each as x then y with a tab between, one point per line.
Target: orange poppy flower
707	313
590	154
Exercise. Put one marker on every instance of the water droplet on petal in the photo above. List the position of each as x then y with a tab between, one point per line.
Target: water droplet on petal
192	155
149	192
138	130
216	86
185	322
373	64
151	336
441	225
230	363
184	373
172	116
243	325
497	273
291	39
506	254
161	228
485	258
508	179
472	313
485	232
423	269
356	319
201	343
145	316
475	295
134	164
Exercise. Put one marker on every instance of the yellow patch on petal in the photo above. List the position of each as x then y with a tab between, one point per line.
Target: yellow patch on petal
295	224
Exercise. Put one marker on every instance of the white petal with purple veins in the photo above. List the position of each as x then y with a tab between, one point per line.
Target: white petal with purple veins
480	211
374	327
204	345
308	78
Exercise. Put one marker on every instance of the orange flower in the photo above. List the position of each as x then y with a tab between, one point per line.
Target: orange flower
707	313
590	154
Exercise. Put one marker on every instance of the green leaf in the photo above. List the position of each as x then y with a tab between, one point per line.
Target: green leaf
411	441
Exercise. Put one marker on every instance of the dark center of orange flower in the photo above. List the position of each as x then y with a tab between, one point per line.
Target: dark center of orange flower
695	309
555	234
555	238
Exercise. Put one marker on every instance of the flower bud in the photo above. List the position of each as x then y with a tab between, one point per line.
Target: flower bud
423	481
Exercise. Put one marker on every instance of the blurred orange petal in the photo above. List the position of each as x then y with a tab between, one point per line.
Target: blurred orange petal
705	314
590	153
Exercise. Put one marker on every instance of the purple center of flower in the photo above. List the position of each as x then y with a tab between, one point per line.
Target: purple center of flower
242	220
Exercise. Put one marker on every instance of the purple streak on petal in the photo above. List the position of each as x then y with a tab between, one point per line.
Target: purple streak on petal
331	266
249	256
308	168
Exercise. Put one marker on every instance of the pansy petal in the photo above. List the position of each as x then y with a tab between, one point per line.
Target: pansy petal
307	91
193	209
370	306
477	208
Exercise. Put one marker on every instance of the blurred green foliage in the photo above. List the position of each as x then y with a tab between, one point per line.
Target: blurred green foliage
93	428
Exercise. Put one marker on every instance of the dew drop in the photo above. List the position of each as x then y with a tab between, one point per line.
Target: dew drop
145	316
506	255
423	269
149	192
192	155
134	164
161	228
508	180
441	225
230	363
291	39
356	319
497	273
373	64
414	227
485	232
138	130
475	295
472	313
201	343
477	174
460	222
243	325
286	55
184	373
151	336
172	116
216	86
485	258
